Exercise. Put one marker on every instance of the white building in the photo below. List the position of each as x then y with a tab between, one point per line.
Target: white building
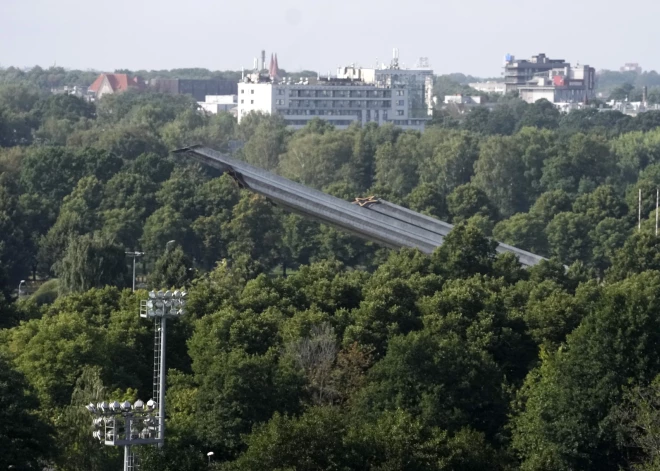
338	101
489	87
562	85
462	99
215	104
418	82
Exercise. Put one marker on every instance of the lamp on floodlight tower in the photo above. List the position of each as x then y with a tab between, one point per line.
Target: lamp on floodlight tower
125	424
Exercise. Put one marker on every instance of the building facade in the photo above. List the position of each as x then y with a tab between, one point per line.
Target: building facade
554	80
517	73
498	88
215	104
418	82
339	101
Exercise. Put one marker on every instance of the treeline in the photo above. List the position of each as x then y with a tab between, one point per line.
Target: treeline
362	357
56	77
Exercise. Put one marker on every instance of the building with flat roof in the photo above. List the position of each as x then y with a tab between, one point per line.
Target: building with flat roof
340	102
402	97
631	67
418	82
552	79
489	87
215	104
517	73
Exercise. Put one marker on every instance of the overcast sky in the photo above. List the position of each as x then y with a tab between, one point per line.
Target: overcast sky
469	36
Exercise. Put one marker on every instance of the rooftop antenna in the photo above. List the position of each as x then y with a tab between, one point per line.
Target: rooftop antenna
256	64
395	58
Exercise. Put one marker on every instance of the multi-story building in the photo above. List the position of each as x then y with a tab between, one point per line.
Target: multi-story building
552	79
517	73
341	102
418	82
386	94
567	85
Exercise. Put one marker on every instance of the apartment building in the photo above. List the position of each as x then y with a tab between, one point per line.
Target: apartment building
340	101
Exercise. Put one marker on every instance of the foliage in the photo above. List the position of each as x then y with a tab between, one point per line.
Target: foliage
27	439
304	347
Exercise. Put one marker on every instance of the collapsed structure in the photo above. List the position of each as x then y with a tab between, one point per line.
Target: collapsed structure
369	218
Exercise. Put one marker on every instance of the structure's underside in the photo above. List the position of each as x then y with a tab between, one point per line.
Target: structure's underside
369	218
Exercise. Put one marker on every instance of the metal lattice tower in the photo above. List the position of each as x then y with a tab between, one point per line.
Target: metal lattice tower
157	355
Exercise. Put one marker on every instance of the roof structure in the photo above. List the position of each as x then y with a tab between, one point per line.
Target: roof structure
369	218
118	82
273	70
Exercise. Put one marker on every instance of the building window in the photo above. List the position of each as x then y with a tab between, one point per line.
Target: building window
400	92
252	102
242	101
280	91
252	92
242	91
401	102
279	102
399	112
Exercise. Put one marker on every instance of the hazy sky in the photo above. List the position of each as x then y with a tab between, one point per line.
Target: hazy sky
469	36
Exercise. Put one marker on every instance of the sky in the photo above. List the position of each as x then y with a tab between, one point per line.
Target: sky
468	36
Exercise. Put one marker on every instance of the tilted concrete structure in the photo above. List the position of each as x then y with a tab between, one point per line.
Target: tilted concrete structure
369	218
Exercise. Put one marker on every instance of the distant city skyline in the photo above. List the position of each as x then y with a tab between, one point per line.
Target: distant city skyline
457	37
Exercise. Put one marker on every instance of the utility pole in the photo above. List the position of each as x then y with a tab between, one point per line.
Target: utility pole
639	211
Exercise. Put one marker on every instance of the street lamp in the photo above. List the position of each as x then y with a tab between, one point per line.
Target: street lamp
134	255
168	245
209	454
19	288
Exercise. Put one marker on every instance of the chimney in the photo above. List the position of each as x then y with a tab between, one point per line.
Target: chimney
645	92
263	60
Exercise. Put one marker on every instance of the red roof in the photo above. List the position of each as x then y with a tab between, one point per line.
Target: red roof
118	82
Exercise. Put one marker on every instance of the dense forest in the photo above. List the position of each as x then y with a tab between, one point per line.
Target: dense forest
304	348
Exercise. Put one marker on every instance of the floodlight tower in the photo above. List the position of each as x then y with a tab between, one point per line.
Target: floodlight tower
125	425
160	306
129	424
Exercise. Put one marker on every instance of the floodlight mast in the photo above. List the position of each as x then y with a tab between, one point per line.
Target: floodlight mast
161	306
123	424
